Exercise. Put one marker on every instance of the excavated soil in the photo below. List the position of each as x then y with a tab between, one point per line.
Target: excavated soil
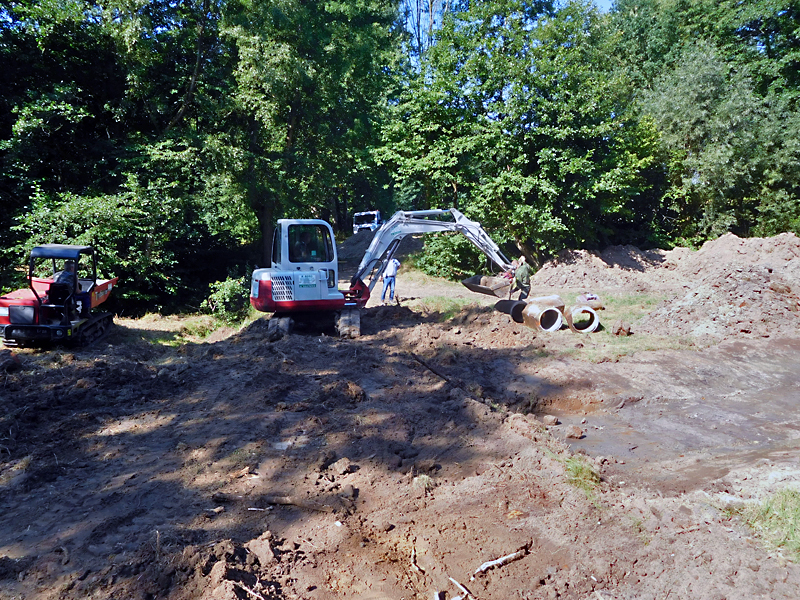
447	452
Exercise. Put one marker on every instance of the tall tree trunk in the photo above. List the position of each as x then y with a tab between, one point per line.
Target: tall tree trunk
187	97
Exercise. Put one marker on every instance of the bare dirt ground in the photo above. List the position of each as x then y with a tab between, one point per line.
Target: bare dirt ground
415	462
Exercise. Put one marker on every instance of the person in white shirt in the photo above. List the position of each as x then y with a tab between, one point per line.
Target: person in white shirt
389	277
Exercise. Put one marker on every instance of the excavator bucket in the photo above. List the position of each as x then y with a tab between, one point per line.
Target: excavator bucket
492	286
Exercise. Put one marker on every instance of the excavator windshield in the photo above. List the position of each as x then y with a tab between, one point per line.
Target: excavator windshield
310	243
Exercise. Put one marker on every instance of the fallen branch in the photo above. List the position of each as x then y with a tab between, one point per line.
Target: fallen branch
254	594
463	590
503	560
275	499
427	366
298	502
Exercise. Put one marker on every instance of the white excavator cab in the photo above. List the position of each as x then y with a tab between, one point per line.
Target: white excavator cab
302	244
304	270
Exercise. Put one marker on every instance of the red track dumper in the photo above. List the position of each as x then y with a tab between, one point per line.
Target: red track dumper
59	307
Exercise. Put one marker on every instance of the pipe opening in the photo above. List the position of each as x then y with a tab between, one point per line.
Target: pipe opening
516	312
550	319
584	319
513	308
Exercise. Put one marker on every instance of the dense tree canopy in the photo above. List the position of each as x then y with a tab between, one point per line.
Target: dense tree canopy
173	134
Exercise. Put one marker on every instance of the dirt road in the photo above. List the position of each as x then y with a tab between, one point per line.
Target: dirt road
414	462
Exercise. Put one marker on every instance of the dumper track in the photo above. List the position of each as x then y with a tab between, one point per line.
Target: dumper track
94	329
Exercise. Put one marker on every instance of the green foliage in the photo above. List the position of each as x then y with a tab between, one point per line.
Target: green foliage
229	300
549	155
717	132
778	213
131	232
720	81
309	83
450	256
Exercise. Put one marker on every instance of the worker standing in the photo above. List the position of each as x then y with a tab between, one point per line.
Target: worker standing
522	278
389	276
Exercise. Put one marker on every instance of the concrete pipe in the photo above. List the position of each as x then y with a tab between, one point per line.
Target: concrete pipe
544	318
553	301
513	308
582	319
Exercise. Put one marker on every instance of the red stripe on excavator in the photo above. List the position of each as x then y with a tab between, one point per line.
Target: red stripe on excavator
309	305
265	303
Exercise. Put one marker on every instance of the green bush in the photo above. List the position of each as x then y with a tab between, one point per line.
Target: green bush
229	300
453	257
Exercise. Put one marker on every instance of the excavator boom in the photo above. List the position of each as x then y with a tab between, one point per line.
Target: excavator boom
403	223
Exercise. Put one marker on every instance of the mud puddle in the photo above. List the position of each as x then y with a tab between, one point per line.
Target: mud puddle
685	419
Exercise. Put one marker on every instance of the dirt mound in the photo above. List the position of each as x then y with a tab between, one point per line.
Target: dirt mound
749	301
730	287
616	267
736	287
354	247
729	253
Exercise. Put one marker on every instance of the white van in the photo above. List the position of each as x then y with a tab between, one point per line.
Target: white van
370	219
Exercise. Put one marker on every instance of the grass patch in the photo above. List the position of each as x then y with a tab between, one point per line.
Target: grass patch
444	308
777	521
424	481
604	346
241	457
582	475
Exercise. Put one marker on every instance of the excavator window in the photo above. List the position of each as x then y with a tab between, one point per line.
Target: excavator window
276	245
310	243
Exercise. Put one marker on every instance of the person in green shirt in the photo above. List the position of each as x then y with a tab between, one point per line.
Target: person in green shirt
522	278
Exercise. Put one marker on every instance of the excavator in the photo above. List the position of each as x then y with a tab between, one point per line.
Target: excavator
303	277
57	306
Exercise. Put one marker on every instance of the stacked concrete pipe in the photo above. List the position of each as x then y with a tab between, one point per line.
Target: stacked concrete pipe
548	313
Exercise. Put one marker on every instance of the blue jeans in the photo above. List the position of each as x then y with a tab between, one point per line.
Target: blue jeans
388	283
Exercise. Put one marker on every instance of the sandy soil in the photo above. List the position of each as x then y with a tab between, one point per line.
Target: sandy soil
446	452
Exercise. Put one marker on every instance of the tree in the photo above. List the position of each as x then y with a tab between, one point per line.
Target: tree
710	123
520	117
421	20
309	82
720	81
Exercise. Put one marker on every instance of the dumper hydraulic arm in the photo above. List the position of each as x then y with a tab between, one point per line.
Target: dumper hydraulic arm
403	223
